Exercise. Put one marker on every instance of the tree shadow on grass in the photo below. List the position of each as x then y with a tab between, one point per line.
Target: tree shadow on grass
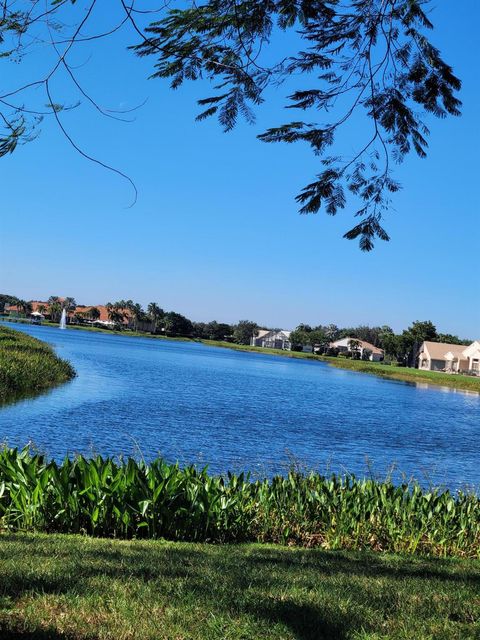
264	584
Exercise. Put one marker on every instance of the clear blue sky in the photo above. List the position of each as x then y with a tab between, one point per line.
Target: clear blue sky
215	233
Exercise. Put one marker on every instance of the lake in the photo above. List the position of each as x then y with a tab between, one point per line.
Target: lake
236	410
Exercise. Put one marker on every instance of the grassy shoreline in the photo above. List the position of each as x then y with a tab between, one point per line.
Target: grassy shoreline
81	588
402	374
28	366
76	327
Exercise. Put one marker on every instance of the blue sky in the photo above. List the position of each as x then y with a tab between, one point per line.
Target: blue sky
215	233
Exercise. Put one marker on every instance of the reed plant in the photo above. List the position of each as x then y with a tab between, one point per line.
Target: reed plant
28	366
132	499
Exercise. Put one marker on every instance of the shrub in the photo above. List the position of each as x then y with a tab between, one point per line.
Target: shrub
125	498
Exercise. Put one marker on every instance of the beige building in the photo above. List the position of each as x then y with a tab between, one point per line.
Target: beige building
360	347
272	339
452	358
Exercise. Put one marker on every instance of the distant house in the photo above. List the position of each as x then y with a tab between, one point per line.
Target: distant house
452	358
81	314
364	348
272	339
36	306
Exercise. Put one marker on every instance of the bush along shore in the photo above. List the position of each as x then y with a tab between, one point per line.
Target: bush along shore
28	366
130	499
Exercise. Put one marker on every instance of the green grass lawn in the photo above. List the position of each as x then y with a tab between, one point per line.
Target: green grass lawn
28	366
466	383
54	587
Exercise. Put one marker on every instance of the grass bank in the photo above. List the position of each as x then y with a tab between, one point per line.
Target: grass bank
263	350
453	381
78	327
405	374
28	366
130	499
55	587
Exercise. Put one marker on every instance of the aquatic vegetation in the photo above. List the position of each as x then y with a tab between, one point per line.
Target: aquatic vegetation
132	499
28	366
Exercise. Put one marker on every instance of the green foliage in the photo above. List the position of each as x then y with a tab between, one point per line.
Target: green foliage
127	499
244	331
177	324
212	330
59	587
7	299
366	57
28	366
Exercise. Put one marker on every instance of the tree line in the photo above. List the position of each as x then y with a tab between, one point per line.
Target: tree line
401	347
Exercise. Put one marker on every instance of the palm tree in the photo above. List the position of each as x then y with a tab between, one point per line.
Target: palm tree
115	313
55	311
354	346
69	304
24	306
155	312
42	309
137	312
94	314
55	308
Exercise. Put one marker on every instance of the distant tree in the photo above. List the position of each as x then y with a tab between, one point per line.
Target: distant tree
6	299
244	331
366	353
452	339
423	330
176	324
24	307
115	314
373	335
136	312
155	313
218	330
300	338
306	328
306	336
54	308
55	311
392	346
94	314
69	304
354	347
318	339
332	332
414	336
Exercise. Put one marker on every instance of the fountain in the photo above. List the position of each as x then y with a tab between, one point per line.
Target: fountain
63	320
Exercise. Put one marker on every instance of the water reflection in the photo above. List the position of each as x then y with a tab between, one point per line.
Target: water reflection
234	410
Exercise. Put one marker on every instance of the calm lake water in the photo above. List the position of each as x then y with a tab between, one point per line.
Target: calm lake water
232	410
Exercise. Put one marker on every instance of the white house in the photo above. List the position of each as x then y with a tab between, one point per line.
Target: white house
272	339
453	358
344	346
